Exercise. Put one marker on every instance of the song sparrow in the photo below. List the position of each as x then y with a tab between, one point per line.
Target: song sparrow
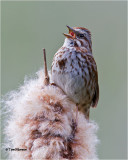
74	69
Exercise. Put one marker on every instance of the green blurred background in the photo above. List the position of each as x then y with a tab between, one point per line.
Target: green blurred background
27	27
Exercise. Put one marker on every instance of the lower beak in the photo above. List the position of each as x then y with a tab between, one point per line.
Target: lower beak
68	36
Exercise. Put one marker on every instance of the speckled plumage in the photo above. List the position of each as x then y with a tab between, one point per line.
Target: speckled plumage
74	70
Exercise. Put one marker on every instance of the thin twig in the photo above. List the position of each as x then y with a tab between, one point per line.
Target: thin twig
46	79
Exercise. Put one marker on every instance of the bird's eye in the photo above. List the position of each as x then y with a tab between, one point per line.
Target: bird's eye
81	35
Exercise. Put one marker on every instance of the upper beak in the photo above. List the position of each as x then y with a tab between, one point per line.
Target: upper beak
70	29
72	33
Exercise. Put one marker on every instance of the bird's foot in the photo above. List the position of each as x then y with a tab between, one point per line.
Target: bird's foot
53	84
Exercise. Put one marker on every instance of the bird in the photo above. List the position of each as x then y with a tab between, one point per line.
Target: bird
74	69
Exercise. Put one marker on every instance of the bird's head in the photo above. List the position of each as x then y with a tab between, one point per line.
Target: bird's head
80	36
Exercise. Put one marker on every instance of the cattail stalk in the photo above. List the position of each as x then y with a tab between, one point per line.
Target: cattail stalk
46	79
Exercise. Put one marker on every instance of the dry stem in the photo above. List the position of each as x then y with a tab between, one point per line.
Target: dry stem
46	79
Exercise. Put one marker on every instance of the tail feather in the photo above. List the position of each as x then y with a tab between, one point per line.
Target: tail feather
85	109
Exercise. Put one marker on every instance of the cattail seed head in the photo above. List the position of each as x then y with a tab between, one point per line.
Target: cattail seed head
42	121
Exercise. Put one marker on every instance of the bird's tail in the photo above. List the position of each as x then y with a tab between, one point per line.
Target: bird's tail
85	109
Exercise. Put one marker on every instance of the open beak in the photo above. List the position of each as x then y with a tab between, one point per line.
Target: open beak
68	36
72	33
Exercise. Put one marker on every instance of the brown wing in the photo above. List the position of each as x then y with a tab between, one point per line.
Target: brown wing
96	91
96	96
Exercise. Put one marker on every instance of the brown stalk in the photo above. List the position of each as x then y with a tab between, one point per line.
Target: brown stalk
46	79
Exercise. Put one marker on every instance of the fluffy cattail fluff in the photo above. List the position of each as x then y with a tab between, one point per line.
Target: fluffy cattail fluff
42	121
